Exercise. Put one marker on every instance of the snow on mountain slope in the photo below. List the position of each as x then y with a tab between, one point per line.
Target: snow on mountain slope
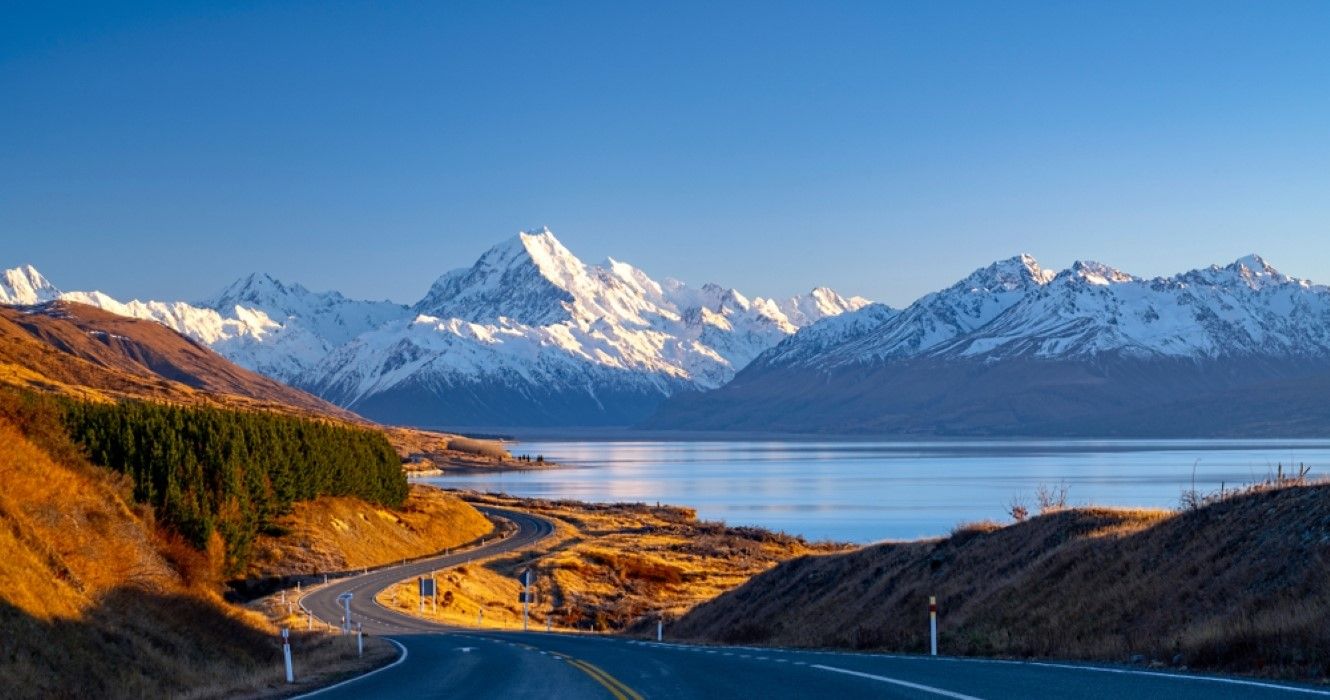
331	317
258	323
527	324
1015	350
245	336
806	309
1244	309
25	285
530	316
1014	308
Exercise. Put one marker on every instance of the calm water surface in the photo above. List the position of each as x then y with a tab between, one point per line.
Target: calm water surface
868	491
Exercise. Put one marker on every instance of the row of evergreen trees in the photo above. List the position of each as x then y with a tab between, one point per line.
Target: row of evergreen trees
209	469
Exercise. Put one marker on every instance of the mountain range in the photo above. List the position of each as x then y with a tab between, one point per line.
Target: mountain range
1015	349
528	335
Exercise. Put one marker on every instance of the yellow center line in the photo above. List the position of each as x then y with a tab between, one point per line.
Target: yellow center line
616	687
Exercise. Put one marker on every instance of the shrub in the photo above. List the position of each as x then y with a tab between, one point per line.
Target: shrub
211	471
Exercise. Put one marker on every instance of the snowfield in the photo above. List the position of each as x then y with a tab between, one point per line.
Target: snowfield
527	319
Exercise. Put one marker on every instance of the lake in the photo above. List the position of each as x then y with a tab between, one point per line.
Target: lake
869	491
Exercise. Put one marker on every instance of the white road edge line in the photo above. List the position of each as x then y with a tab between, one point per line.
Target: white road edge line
361	677
1182	677
896	681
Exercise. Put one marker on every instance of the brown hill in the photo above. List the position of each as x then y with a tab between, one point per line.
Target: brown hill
1240	584
96	602
80	350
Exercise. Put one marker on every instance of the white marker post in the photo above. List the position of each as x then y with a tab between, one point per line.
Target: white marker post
309	621
345	600
286	655
660	629
360	639
480	617
548	624
932	625
526	597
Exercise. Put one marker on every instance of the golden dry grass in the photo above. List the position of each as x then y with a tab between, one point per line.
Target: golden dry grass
1242	584
483	448
336	534
90	605
96	601
607	567
426	450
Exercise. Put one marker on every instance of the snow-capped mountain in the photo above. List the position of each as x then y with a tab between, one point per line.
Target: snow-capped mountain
331	317
1016	348
25	285
529	334
261	324
531	329
257	322
1015	308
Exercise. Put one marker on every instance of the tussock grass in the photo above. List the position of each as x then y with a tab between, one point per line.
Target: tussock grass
90	603
98	601
607	567
1239	584
484	448
336	534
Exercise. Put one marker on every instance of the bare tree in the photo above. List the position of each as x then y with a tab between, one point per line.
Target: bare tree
1051	499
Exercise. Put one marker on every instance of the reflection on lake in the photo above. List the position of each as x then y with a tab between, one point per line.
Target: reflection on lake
867	491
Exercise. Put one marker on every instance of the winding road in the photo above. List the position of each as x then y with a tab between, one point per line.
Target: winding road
439	661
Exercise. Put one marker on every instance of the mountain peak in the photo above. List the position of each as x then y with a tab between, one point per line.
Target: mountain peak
1256	272
1017	272
1255	264
528	278
261	290
25	285
1097	273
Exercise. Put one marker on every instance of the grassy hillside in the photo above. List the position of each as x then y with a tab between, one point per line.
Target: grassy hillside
607	567
84	352
95	601
337	533
213	471
1240	584
101	597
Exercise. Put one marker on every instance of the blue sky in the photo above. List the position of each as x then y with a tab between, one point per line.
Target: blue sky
162	150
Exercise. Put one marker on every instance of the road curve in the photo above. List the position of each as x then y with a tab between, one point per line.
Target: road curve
451	662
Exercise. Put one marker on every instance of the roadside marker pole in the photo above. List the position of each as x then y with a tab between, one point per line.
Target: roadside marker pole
480	617
547	624
286	655
309	621
526	597
932	625
360	639
660	629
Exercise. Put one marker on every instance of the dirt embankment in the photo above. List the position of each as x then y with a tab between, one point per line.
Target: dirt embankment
1241	584
337	534
607	567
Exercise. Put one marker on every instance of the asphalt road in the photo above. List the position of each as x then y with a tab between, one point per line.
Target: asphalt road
469	663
